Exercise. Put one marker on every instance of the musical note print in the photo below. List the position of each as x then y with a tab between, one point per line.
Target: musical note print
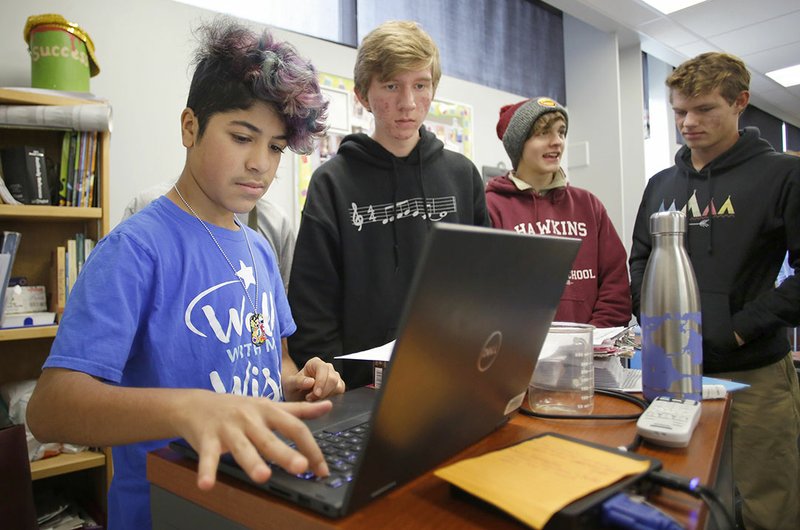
356	218
435	209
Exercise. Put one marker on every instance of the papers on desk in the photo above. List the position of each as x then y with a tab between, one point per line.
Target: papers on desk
601	335
384	352
533	480
610	374
381	353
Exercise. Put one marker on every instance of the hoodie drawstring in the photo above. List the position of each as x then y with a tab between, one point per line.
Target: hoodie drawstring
396	244
426	214
711	213
688	196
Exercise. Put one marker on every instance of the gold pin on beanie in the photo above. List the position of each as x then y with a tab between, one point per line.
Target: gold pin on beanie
516	122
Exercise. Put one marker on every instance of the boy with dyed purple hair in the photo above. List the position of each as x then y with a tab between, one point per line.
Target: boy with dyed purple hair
176	327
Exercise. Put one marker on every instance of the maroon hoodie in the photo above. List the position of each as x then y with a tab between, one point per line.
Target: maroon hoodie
597	290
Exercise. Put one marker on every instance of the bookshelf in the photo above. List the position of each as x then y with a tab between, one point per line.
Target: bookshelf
43	228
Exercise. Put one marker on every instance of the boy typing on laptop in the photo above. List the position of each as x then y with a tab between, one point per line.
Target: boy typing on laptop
177	325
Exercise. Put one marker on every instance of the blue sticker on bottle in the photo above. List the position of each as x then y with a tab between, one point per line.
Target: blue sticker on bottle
672	355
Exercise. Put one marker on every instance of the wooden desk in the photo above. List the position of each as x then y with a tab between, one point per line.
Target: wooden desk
426	502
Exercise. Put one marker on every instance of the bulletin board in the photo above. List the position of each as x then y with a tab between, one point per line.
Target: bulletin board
451	122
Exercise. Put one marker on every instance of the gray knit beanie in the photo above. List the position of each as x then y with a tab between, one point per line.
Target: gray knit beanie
516	122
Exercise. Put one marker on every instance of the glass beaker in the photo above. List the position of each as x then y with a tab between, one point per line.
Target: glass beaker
563	380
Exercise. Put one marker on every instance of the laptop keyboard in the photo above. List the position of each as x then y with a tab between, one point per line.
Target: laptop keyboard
341	450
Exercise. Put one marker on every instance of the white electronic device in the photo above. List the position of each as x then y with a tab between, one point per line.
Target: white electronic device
669	421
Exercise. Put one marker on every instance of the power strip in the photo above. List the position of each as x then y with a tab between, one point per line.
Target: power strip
669	422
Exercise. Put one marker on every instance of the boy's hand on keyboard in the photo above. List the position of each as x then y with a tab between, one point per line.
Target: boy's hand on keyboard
247	427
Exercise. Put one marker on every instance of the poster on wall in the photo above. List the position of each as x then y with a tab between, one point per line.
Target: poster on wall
451	122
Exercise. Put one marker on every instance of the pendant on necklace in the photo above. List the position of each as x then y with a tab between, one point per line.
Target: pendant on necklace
257	334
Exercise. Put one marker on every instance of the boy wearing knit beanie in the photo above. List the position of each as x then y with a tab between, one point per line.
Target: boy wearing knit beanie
535	198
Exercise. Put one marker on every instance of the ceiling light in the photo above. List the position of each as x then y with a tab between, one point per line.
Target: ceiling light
670	6
788	76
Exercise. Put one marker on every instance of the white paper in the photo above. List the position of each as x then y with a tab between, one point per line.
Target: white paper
381	353
94	117
600	335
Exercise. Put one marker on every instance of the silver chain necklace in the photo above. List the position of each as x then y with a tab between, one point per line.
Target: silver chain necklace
257	333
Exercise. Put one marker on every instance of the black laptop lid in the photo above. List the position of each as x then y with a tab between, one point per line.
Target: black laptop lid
475	319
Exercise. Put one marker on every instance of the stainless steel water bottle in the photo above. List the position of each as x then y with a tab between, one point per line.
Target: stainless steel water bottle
672	340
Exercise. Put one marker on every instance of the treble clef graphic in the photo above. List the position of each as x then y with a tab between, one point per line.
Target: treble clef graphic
356	218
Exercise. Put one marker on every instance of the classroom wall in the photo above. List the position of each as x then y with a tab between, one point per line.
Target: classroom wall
144	48
634	177
661	146
607	144
593	100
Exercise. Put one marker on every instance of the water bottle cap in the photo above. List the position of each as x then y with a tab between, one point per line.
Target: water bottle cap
672	222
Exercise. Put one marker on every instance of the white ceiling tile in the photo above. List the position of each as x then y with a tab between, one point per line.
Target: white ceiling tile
720	16
696	48
763	85
775	58
628	12
667	32
762	36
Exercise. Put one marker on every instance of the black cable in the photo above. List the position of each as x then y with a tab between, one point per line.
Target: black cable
697	490
612	393
711	498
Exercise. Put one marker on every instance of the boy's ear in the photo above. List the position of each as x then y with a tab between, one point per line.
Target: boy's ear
361	99
190	128
742	100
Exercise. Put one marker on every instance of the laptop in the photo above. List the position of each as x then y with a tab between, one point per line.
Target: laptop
475	318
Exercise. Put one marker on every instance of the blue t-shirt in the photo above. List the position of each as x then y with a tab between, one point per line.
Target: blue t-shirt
157	305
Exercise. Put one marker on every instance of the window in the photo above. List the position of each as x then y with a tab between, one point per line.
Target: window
514	45
331	20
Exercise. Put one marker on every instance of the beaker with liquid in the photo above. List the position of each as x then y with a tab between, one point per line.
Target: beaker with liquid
563	381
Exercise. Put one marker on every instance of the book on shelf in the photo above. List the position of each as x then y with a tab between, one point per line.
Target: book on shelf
62	170
80	251
75	254
72	264
79	172
88	246
68	173
24	320
90	170
8	250
58	280
74	169
25	299
83	196
25	174
80	158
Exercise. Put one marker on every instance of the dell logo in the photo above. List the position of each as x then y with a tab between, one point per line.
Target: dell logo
490	350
